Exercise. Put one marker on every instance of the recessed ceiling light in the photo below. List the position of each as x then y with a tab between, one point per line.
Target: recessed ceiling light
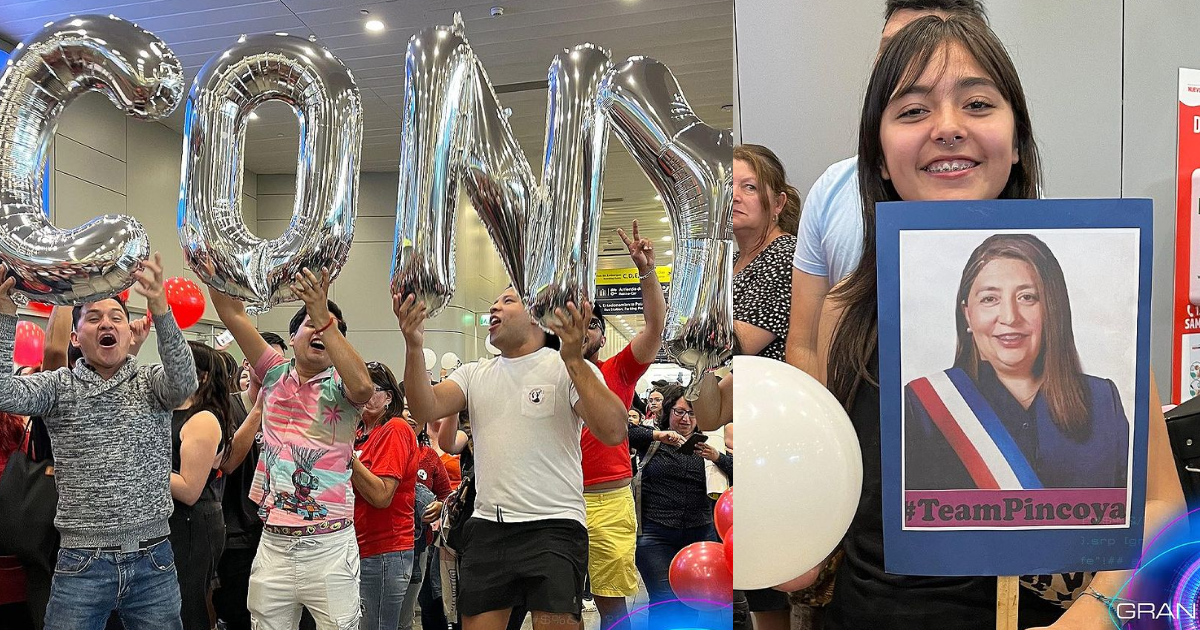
253	116
666	239
728	107
374	25
670	252
665	220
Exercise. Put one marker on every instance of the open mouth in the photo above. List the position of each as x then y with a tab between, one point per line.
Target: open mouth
1011	340
316	344
943	167
493	322
107	340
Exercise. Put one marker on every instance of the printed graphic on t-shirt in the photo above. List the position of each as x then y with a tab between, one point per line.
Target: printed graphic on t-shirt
535	396
302	502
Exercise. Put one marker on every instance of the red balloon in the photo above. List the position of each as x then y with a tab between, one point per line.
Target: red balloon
729	550
30	342
186	301
723	513
699	572
41	308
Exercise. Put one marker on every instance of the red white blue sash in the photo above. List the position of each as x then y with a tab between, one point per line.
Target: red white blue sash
975	432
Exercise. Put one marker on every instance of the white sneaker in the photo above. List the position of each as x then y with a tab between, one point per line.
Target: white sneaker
589	605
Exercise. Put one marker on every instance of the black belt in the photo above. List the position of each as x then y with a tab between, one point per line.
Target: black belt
142	545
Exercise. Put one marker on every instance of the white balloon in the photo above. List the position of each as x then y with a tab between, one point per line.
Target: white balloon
450	361
799	472
493	350
430	359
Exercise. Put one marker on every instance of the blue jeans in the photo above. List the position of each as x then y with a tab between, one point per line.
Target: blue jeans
408	610
384	582
656	548
89	584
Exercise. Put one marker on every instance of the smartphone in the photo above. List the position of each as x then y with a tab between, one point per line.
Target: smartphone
689	447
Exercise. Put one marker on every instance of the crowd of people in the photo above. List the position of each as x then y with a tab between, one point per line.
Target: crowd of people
321	491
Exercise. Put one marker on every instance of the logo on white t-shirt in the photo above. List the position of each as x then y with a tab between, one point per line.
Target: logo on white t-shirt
535	396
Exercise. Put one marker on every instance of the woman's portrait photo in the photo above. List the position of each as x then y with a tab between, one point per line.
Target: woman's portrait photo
1025	381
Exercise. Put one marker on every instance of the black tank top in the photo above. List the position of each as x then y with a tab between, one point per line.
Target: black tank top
213	487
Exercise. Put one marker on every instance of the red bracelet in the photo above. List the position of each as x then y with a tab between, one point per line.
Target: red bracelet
326	326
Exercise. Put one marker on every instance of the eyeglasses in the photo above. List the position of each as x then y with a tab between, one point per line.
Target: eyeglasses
680	412
374	365
595	324
380	389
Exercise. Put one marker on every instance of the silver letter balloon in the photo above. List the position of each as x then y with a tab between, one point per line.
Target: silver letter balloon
690	164
455	130
49	70
218	245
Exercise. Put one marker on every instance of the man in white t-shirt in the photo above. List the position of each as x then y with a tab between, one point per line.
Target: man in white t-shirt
526	542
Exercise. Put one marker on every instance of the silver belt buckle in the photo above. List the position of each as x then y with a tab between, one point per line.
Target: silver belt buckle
129	547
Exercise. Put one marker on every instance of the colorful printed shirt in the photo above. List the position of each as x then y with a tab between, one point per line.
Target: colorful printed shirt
308	430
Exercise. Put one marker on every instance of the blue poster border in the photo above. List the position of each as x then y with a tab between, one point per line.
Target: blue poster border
1005	552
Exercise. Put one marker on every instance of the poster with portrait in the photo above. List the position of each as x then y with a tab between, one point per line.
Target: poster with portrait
1014	384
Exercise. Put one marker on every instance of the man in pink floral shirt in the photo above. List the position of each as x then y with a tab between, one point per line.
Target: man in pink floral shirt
310	406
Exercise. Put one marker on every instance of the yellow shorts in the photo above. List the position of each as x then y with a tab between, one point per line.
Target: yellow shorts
612	542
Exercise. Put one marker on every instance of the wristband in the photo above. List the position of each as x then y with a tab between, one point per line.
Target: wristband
648	273
326	326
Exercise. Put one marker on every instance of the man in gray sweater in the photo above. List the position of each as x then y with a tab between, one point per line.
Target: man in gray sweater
110	425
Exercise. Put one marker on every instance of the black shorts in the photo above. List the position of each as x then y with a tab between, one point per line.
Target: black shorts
539	565
767	599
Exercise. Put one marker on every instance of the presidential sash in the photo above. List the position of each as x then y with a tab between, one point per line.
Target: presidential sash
975	432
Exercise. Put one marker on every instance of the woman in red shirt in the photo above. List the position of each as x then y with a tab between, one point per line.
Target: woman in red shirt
384	476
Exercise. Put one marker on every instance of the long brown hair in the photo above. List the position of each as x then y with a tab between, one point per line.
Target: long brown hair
899	66
772	180
1064	386
212	394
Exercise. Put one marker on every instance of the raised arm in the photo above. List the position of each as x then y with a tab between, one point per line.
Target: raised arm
601	410
244	438
232	313
346	360
58	339
646	343
426	402
176	379
22	395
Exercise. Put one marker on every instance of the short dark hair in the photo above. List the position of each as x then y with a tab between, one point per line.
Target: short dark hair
302	312
974	8
275	340
78	310
598	313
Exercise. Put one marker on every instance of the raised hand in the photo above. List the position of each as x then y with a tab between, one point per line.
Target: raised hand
641	250
571	327
7	305
140	328
314	291
410	314
150	284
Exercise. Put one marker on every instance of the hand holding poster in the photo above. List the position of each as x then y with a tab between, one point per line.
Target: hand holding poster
1014	384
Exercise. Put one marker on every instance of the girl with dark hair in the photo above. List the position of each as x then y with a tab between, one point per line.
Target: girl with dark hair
674	509
200	436
766	211
944	117
384	478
